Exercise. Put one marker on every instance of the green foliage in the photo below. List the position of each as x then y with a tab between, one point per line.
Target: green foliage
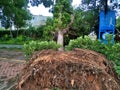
118	25
81	42
14	11
84	22
101	4
62	16
6	37
22	38
46	3
31	32
49	28
37	33
56	88
117	68
33	46
81	26
62	13
111	51
2	28
12	33
18	40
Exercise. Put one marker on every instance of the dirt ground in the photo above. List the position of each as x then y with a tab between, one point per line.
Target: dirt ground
11	63
79	69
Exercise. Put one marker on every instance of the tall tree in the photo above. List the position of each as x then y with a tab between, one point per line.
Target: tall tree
46	3
101	4
84	22
91	13
63	18
94	6
14	12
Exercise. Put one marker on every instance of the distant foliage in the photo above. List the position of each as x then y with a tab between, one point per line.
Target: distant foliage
21	39
14	12
35	33
111	51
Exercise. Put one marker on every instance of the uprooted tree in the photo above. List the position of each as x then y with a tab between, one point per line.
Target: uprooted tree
78	69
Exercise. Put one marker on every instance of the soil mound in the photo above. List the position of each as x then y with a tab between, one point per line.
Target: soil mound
79	69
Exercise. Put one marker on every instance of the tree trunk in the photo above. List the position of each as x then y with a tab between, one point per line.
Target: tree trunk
17	31
60	40
11	35
60	37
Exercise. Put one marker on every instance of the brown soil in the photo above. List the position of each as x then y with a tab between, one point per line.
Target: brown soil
72	70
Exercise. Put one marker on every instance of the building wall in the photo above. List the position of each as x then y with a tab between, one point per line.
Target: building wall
38	20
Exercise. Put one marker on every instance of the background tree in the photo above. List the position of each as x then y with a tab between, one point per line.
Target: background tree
49	30
46	3
118	23
84	22
117	29
63	18
61	21
14	12
94	6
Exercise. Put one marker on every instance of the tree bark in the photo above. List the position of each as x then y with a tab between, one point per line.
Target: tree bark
60	37
60	40
11	35
61	32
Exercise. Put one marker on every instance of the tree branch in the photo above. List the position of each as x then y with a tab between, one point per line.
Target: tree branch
68	26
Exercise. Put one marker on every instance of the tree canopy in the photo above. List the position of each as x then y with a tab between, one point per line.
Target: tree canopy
101	4
14	12
46	3
61	21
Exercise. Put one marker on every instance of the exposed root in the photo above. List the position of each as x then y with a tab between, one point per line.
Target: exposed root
74	70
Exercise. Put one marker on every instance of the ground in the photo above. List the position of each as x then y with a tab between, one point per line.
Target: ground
11	63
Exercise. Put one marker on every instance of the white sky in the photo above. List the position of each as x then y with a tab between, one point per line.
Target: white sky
41	10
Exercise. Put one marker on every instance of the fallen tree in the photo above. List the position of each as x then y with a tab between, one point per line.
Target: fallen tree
79	69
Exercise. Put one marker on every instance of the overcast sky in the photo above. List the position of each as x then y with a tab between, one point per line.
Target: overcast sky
41	10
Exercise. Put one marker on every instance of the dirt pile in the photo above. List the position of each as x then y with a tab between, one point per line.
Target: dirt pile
74	70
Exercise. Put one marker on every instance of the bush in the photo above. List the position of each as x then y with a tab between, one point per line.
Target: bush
14	32
18	40
33	46
35	33
111	51
6	37
85	43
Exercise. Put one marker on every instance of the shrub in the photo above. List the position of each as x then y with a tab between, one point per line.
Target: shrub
21	39
111	51
33	46
81	42
6	37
